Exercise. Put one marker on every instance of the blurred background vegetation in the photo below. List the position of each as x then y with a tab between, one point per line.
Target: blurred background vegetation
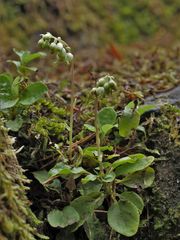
86	23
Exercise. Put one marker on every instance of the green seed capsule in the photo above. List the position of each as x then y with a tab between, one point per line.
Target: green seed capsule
93	91
112	84
106	87
69	57
41	42
101	82
48	35
100	91
53	46
60	46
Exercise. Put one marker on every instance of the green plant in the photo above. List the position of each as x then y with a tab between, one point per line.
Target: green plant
62	51
98	174
17	94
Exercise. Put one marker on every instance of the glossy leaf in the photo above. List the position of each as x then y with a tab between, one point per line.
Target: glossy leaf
15	125
128	121
7	100
88	178
145	108
32	93
106	128
85	206
141	179
94	228
90	187
123	217
107	115
64	218
109	177
138	165
134	198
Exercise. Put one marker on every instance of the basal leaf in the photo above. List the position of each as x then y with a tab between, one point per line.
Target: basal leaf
32	93
64	218
107	115
138	165
85	206
15	125
138	179
128	121
109	177
123	217
134	198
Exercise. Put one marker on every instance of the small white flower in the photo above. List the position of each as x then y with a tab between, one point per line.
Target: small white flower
53	46
59	46
69	57
47	35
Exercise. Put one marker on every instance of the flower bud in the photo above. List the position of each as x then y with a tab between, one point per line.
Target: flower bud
93	91
69	57
47	35
101	82
112	84
100	91
59	46
106	87
53	46
41	42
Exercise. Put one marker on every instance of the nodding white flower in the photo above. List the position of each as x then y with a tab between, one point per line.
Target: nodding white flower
60	46
100	91
47	35
63	51
112	84
93	91
69	57
53	46
101	82
41	42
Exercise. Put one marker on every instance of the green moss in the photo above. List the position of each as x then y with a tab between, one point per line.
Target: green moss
16	219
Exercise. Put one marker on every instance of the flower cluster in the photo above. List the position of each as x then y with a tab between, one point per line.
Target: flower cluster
56	45
104	86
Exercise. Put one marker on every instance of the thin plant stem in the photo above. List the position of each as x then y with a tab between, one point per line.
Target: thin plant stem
71	114
98	142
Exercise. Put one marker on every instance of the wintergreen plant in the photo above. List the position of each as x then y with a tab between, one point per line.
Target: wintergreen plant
62	51
18	93
103	87
110	176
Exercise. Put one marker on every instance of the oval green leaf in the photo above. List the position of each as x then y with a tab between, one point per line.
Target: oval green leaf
123	217
64	218
32	93
107	115
134	198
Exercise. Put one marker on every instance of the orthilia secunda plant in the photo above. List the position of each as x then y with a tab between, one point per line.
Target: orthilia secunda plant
63	53
104	86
